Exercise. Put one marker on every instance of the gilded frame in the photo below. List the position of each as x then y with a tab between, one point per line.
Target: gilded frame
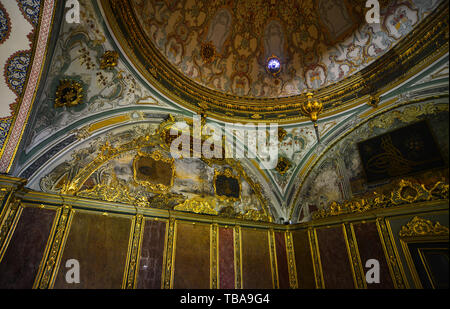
158	188
229	174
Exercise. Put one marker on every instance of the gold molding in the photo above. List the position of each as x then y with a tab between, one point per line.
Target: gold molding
46	278
315	255
273	258
391	254
420	230
238	257
170	254
11	215
198	206
290	253
214	256
134	245
354	257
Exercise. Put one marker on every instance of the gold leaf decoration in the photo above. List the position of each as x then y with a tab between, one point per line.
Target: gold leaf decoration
69	93
422	227
198	206
406	192
109	60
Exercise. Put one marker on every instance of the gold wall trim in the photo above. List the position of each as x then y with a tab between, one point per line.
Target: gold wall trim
46	278
315	254
238	257
273	259
214	256
12	212
389	248
48	269
134	248
354	258
290	253
170	254
107	122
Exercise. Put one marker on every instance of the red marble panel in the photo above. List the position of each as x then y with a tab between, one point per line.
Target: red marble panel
336	268
226	258
282	262
20	264
256	268
100	245
151	255
370	247
192	256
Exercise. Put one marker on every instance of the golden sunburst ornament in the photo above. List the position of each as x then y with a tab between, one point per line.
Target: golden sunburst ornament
109	60
69	93
208	52
283	165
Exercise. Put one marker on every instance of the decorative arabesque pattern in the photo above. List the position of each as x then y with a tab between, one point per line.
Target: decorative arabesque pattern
16	71
5	24
30	10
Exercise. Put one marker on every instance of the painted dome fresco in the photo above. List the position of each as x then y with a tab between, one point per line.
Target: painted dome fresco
218	51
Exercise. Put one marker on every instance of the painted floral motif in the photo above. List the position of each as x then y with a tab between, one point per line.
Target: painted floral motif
30	10
16	71
5	24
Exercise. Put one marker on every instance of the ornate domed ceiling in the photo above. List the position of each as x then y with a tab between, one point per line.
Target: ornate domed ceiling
224	45
213	54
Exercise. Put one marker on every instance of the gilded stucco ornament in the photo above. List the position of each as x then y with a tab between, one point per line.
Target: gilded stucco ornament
69	93
282	133
373	101
421	227
283	165
198	206
109	60
406	192
91	174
